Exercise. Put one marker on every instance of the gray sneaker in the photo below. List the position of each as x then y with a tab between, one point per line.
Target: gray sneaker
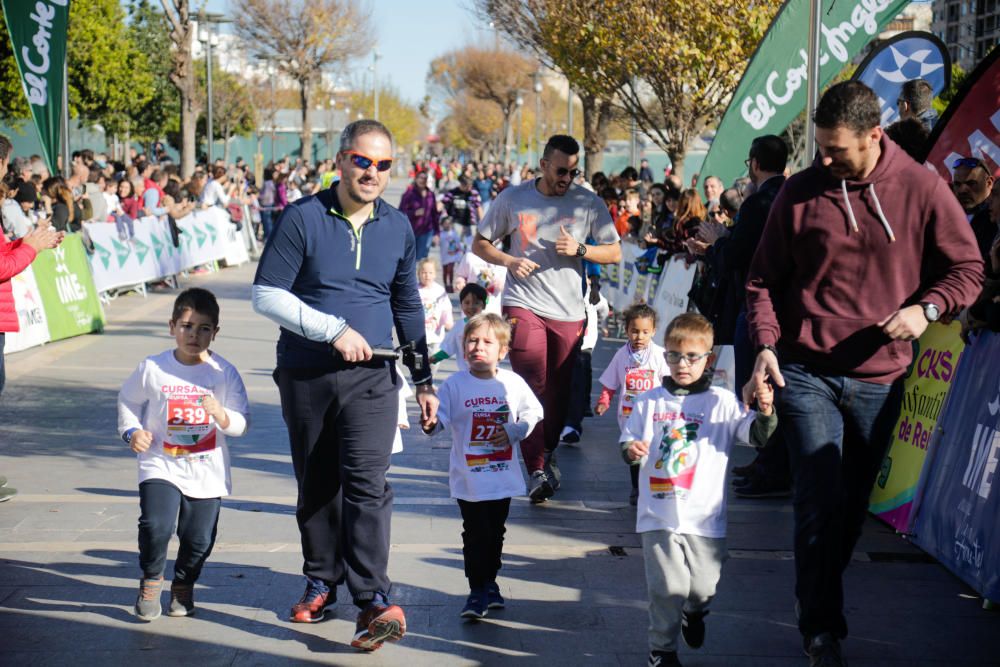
539	489
147	605
552	471
181	600
6	493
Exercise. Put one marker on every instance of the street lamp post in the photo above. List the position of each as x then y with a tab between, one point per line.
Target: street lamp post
376	56
538	116
520	104
206	37
569	110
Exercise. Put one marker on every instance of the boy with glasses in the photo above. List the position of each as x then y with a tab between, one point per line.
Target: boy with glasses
680	435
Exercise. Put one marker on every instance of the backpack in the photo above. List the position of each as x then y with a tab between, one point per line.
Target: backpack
267	193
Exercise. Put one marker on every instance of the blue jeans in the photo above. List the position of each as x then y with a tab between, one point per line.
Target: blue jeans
424	244
3	372
266	223
837	429
163	507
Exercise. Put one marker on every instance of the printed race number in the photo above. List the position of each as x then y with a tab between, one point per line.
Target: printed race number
485	426
638	380
187	414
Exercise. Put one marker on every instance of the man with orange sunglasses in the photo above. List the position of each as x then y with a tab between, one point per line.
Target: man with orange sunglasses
337	275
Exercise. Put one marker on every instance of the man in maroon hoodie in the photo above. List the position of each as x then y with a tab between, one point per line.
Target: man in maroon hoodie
860	252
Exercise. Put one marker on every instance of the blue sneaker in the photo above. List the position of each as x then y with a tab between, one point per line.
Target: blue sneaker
493	598
475	605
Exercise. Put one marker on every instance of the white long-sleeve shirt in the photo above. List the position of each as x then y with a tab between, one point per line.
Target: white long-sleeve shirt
472	409
189	450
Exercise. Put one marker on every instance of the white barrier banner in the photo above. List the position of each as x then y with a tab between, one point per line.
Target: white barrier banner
628	276
30	314
672	293
149	253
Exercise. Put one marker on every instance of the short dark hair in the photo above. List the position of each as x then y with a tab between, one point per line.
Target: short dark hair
849	104
630	173
354	130
911	135
639	311
199	300
771	153
476	290
919	94
562	143
5	147
730	200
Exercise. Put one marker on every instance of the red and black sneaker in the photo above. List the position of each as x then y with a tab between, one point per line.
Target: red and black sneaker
379	622
313	605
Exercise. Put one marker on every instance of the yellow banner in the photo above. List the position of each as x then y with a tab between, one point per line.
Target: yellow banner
935	359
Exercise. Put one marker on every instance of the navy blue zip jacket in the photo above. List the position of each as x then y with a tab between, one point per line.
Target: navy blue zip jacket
367	277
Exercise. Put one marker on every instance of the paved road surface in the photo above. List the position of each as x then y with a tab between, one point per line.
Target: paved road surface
572	571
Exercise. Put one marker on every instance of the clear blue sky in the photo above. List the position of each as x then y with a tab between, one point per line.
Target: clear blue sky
409	34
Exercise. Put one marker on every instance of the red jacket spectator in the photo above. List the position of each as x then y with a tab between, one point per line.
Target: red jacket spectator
15	256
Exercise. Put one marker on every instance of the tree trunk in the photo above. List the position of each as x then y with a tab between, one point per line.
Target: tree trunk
677	156
597	115
307	132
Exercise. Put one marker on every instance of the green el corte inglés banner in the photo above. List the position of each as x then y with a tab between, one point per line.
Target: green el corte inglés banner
66	286
38	36
773	89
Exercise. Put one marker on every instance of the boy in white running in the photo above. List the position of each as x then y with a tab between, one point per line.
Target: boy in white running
175	412
489	411
681	434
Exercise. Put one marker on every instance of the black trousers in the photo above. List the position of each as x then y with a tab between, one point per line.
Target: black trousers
483	528
579	391
341	425
162	506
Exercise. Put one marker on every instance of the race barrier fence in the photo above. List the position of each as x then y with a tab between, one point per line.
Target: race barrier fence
58	296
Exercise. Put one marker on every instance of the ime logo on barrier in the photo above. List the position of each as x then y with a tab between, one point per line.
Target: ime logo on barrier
984	455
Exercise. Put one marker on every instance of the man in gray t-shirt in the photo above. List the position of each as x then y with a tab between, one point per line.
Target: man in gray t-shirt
548	220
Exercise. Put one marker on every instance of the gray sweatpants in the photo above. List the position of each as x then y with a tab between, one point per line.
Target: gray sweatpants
681	574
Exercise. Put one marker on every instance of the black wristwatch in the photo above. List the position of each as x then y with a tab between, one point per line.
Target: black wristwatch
931	312
761	348
581	250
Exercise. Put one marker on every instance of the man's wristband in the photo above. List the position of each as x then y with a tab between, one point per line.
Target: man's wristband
127	435
771	348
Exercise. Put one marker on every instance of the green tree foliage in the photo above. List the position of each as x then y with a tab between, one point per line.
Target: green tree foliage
159	115
958	77
403	119
108	73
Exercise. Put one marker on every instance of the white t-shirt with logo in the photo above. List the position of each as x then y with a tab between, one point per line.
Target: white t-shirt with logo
630	378
163	396
682	482
437	312
473	409
452	247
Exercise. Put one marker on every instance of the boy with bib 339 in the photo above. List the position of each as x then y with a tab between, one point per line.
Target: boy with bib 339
175	412
489	412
